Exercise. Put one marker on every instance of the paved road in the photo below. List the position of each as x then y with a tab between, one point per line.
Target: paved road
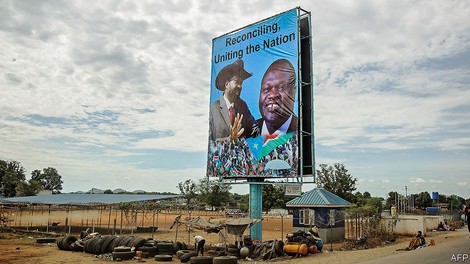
454	251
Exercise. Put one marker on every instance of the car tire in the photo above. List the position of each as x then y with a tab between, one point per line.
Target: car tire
225	260
163	258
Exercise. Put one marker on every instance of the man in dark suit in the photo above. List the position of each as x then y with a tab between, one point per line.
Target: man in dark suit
276	99
229	116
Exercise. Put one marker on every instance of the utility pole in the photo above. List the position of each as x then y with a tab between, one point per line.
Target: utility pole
406	197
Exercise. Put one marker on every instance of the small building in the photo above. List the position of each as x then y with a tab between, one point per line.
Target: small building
321	208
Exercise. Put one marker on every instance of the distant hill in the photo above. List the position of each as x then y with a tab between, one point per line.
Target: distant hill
119	190
95	190
122	191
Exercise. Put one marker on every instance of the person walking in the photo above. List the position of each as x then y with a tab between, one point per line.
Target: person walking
467	215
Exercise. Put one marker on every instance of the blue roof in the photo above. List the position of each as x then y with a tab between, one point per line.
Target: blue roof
318	197
87	199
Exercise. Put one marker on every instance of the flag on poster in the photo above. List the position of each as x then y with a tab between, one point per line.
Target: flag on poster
256	144
227	165
263	145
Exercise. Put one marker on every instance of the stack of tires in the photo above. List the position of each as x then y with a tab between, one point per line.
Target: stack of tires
185	255
70	243
149	249
122	253
163	257
122	247
165	248
233	251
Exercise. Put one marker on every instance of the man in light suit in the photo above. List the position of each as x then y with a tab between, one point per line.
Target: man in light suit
276	99
229	116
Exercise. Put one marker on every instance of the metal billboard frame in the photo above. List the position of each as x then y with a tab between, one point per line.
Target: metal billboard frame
306	170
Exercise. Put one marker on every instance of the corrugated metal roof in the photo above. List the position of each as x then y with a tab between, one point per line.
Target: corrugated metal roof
318	197
87	199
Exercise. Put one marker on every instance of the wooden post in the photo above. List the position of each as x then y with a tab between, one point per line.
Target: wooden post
70	220
109	217
176	236
67	217
19	225
120	231
48	219
153	223
282	227
99	217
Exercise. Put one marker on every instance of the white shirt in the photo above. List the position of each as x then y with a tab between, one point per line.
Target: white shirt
227	102
282	130
197	239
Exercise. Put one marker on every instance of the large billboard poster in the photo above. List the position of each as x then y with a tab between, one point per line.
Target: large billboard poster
253	120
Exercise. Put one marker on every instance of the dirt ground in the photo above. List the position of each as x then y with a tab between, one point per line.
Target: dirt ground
21	248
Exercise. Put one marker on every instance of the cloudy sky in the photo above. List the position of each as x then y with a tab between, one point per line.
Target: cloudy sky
115	94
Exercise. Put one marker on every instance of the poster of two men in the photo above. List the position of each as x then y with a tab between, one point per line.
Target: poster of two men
253	118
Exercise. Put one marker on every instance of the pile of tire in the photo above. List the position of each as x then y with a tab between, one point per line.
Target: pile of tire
163	257
106	244
233	251
70	243
185	255
122	253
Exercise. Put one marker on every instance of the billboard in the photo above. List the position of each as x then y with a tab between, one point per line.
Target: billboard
254	108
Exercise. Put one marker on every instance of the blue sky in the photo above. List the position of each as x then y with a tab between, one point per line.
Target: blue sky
115	94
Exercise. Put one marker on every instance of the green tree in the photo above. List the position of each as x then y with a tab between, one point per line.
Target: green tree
455	202
274	196
392	196
239	198
336	180
108	191
188	190
443	198
373	205
213	193
28	188
11	174
242	200
50	179
423	200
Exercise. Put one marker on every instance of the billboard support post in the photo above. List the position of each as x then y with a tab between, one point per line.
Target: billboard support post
265	130
256	208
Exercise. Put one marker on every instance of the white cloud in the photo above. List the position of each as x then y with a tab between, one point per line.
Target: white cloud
417	180
96	88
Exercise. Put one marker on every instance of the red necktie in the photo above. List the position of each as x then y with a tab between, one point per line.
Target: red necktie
232	115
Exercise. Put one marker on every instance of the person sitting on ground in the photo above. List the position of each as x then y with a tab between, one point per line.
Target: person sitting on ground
417	241
421	239
447	227
440	227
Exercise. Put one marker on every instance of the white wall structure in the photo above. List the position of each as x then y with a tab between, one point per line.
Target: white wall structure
411	224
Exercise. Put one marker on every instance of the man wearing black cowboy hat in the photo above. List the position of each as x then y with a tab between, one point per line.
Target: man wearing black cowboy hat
229	116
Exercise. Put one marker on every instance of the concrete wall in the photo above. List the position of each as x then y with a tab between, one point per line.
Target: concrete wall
411	224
